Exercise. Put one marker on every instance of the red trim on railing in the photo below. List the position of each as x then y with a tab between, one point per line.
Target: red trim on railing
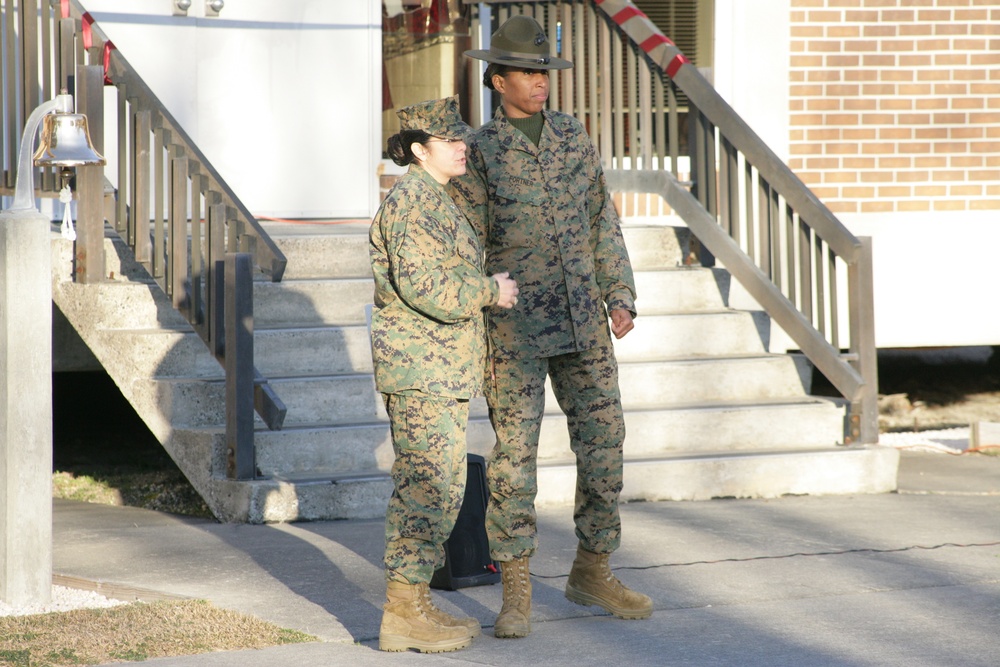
88	35
108	46
655	41
679	60
627	13
64	6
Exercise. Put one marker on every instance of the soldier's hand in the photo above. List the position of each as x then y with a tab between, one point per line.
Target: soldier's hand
621	322
508	290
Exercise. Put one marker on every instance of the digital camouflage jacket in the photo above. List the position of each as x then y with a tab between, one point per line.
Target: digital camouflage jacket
428	327
546	217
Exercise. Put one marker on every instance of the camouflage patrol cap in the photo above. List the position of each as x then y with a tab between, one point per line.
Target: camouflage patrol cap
438	118
520	42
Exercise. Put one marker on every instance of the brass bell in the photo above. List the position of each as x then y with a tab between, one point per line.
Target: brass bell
65	142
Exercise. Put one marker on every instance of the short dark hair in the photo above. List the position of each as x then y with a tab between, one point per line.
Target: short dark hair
492	69
398	146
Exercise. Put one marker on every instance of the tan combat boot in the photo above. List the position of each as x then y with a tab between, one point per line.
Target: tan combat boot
591	582
444	618
408	623
515	615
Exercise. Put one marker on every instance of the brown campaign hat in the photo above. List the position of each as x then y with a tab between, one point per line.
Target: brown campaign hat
438	118
520	42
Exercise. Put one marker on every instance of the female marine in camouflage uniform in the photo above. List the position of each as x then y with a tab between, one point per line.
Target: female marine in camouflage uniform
536	189
429	348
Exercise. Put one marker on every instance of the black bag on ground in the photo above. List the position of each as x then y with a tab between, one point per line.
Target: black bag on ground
467	559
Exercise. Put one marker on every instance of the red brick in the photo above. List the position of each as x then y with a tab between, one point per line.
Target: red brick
880	30
796	105
972	15
909	90
897	16
912	176
984	89
949	205
883	148
825	16
823	134
950	147
933	45
896	162
876	206
878	89
823	163
843	89
984	118
861	16
914	118
860	134
985	147
929	191
953	29
880	176
823	104
841	149
933	75
805	91
949	118
878	119
933	103
806	61
894	191
967	190
951	59
843	31
913	205
916	30
916	3
912	60
985	58
895	104
970	75
840	177
948	175
896	75
824	46
949	89
861	46
860	75
931	161
859	192
825	193
985	29
934	15
967	133
931	133
843	3
891	45
842	119
967	162
914	147
879	60
895	134
859	163
844	61
824	75
842	206
807	31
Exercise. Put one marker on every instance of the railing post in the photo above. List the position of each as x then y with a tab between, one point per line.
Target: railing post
90	180
240	462
863	418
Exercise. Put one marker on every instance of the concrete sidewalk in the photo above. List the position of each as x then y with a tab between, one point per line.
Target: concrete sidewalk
908	579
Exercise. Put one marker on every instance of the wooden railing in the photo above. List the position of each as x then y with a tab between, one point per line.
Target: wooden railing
178	215
662	129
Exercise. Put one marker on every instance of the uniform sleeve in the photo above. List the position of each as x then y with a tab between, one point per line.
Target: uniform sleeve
471	195
613	268
431	275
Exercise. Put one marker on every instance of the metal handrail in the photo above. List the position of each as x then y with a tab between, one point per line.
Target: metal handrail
181	219
743	204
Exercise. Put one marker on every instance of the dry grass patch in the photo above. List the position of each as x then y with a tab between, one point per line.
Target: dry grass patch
134	632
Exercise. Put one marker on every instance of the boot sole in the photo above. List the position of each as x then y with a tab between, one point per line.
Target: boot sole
511	634
588	600
398	644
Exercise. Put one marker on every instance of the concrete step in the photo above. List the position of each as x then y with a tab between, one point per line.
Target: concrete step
341	248
352	399
333	350
761	474
340	449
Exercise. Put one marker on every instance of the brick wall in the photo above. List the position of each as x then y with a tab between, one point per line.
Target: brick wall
895	104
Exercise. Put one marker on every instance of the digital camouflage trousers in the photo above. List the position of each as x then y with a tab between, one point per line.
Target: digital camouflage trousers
428	474
586	388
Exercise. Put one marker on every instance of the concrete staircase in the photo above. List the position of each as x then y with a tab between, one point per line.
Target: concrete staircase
709	412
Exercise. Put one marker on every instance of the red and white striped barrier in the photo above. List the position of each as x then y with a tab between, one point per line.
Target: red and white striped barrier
644	32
